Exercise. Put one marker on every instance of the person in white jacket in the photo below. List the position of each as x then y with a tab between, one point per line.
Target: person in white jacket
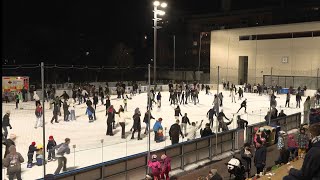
84	95
233	94
122	122
72	109
36	98
193	130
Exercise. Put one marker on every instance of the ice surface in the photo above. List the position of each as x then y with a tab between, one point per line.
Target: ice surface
87	136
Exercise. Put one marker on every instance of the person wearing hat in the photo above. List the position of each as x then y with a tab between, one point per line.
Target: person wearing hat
166	167
155	166
13	163
311	164
5	124
156	127
9	142
174	132
110	120
206	131
50	148
32	149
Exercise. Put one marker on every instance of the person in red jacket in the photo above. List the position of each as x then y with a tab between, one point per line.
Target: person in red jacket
166	167
292	146
155	166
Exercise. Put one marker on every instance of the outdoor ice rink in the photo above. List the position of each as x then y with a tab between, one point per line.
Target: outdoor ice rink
87	136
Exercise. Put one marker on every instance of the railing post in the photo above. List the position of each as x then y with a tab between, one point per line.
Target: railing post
210	148
182	157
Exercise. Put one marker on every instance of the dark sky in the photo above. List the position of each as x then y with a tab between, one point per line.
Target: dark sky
61	31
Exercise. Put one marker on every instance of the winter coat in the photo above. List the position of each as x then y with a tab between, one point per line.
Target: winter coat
146	117
260	157
192	132
89	111
71	104
136	121
291	141
206	132
32	149
65	96
155	166
246	158
158	97
6	121
95	100
108	103
8	143
56	108
177	112
51	144
111	114
122	117
175	131
306	106
36	97
84	92
157	125
38	112
62	149
302	141
166	167
89	102
244	103
13	162
310	167
185	120
211	113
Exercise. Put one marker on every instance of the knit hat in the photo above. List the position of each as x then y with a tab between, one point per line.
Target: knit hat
154	156
50	137
160	119
33	143
163	156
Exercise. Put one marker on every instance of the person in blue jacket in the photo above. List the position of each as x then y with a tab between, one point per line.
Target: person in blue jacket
156	127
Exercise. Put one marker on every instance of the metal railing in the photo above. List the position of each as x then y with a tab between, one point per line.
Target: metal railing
135	166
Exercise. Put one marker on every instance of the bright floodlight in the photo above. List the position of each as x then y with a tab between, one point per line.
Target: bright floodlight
156	3
161	13
164	4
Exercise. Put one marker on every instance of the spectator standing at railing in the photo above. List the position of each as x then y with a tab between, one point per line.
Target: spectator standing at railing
313	102
302	142
206	131
246	157
298	99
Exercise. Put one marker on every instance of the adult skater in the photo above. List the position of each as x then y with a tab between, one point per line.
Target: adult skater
6	123
233	95
64	96
243	105
89	104
62	149
101	94
287	100
156	127
9	142
107	104
71	103
122	122
184	122
159	99
216	103
90	111
38	113
136	123
220	96
177	112
13	163
146	120
36	98
223	125
55	113
95	100
65	110
240	92
182	98
210	115
174	132
193	130
241	123
298	100
110	120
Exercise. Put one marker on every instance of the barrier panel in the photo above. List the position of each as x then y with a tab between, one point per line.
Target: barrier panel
286	123
135	166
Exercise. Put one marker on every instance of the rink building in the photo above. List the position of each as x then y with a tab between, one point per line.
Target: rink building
290	52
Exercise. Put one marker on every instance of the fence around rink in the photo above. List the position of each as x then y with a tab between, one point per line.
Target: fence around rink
135	166
286	123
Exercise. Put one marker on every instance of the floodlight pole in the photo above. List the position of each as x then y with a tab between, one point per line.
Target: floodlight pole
43	120
155	19
149	107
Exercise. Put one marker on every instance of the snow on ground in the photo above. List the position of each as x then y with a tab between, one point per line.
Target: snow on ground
87	136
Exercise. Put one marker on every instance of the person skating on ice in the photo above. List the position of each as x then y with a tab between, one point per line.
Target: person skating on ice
146	120
177	112
185	120
193	130
210	115
110	120
107	104
31	151
50	148
5	124
243	105
287	100
159	99
175	132
38	113
220	96
136	123
223	125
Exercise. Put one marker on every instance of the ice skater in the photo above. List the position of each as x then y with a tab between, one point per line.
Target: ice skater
287	100
243	105
210	115
38	113
223	125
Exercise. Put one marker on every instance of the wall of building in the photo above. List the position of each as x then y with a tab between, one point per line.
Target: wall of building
263	55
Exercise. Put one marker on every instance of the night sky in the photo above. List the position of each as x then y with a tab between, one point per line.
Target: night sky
62	31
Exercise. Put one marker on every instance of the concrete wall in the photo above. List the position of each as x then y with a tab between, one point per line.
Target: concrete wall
303	53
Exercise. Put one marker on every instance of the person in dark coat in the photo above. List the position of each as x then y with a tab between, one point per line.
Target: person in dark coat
177	112
146	120
210	115
174	132
246	156
110	119
206	131
89	104
223	125
50	148
32	149
9	142
101	97
241	123
243	105
311	164
298	99
282	114
5	124
260	155
95	100
55	112
65	110
65	96
136	123
108	104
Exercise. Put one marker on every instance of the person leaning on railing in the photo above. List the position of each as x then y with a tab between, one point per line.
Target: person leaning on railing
311	165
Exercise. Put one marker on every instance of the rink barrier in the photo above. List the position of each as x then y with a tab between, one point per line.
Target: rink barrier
287	123
135	166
